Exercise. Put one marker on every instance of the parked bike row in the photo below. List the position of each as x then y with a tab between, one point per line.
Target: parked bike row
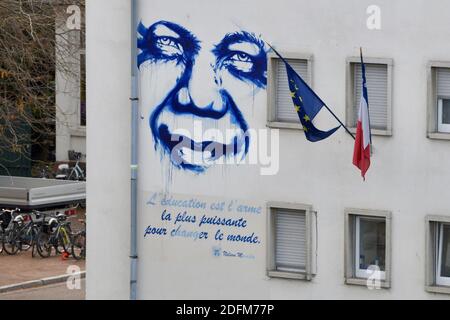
42	232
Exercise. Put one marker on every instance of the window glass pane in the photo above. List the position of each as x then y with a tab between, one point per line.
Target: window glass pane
372	244
446	111
82	89
445	259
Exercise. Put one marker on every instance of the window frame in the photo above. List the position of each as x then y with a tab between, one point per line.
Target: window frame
433	257
362	273
432	101
311	241
441	281
272	59
442	127
350	269
350	92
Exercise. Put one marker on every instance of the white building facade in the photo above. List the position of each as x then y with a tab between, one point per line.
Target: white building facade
70	82
276	217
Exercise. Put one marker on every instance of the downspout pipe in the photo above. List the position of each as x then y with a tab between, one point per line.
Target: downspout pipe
134	152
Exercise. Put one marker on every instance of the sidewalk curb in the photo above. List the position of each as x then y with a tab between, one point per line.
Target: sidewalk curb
40	282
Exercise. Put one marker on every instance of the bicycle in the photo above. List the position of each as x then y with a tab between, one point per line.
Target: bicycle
57	234
38	228
79	243
76	173
6	216
14	235
45	173
22	233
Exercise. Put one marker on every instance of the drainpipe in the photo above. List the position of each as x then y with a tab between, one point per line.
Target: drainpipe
134	165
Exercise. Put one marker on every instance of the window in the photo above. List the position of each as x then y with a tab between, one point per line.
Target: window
378	75
291	241
82	89
438	254
281	112
82	37
370	245
439	100
367	246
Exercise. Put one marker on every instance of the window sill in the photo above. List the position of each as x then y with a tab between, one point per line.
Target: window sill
438	135
284	125
363	282
289	275
437	289
78	132
375	132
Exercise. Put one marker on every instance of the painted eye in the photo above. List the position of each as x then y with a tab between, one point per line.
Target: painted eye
169	46
242	57
241	61
166	41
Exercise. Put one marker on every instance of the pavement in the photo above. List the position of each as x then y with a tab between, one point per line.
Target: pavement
22	267
57	291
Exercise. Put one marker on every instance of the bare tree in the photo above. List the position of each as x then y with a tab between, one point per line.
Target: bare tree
34	47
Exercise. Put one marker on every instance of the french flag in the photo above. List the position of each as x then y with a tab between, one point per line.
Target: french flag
361	151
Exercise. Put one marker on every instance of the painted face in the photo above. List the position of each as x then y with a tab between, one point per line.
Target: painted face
208	83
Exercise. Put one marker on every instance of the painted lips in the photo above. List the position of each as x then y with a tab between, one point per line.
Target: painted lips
176	145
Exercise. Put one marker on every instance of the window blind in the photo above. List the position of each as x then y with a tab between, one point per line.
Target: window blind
290	240
285	111
443	82
377	90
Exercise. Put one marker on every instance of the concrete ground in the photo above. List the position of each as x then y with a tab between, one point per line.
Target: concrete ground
22	267
57	291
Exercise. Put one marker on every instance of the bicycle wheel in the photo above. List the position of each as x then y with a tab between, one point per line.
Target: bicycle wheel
26	238
11	244
43	245
79	246
34	251
64	241
35	234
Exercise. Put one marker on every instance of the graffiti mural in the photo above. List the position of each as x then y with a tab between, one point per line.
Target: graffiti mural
211	83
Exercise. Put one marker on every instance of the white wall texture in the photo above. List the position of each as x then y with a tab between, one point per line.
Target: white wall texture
107	59
408	175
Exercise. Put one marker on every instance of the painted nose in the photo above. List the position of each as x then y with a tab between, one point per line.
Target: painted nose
202	89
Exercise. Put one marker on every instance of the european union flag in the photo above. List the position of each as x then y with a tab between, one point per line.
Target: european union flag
307	104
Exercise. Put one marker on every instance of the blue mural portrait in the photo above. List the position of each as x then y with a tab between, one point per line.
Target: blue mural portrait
235	63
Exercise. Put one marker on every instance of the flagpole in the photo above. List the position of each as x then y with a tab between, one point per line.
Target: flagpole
332	113
368	109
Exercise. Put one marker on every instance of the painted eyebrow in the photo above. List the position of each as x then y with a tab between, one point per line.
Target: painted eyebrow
174	29
246	47
162	30
147	36
242	40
